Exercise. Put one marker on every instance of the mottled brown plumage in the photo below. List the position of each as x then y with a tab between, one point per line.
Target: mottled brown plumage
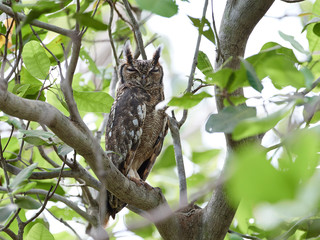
135	129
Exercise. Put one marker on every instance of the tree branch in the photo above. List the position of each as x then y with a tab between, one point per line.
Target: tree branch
174	129
68	131
136	29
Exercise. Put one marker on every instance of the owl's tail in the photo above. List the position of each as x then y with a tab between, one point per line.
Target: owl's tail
113	206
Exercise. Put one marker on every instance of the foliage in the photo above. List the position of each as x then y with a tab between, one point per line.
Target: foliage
276	182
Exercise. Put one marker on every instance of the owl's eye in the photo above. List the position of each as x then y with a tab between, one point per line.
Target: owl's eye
155	69
131	69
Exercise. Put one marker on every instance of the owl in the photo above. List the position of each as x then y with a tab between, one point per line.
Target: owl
136	128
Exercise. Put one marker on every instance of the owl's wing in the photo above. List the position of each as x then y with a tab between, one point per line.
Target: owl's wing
124	127
146	167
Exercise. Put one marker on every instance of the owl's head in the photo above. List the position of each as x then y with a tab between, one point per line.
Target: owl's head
142	73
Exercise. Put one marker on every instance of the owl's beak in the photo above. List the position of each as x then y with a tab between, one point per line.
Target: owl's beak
143	80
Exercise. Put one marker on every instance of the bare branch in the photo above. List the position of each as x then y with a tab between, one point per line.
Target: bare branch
174	128
136	29
115	56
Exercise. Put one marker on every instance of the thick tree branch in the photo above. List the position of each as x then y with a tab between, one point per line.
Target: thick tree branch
85	144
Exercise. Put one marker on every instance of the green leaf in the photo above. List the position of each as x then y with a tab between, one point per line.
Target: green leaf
36	60
282	72
93	101
23	175
164	8
25	187
86	19
92	65
228	118
5	212
252	76
208	33
65	213
188	100
166	159
64	149
56	48
293	42
37	137
27	202
254	179
204	64
254	126
39	232
316	29
308	77
205	156
220	78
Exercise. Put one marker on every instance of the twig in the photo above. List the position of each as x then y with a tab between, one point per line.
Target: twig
243	235
46	157
4	61
314	85
136	29
174	129
195	61
65	223
20	41
216	34
110	33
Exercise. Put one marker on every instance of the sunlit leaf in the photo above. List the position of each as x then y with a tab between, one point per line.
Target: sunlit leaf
164	8
205	156
166	159
188	100
36	60
86	57
204	64
39	232
228	118
254	178
254	126
93	101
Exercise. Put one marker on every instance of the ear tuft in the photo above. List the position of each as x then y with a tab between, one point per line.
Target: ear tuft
127	52
156	55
